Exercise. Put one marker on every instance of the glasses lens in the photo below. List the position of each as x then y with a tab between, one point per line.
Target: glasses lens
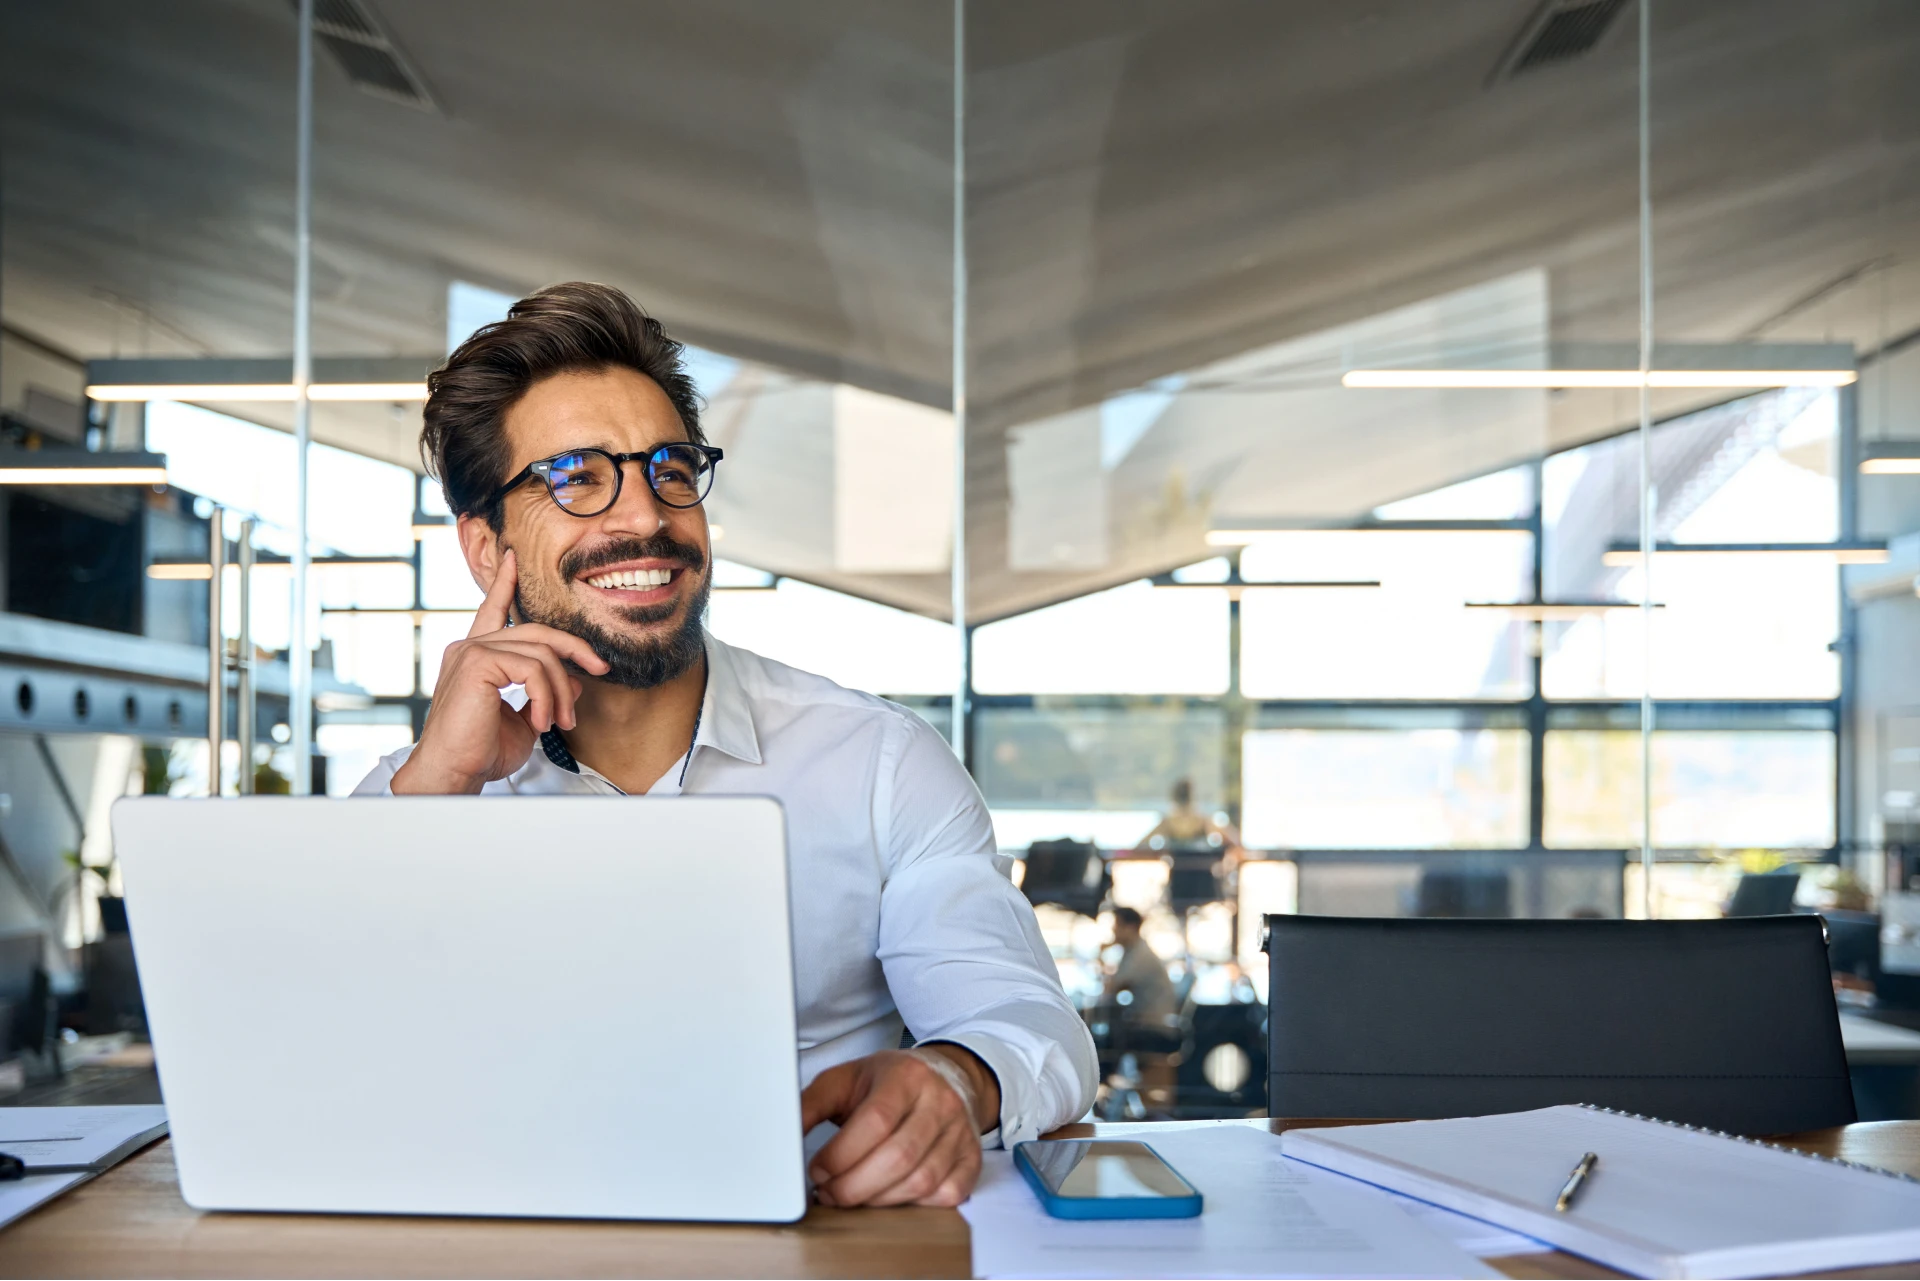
681	474
583	483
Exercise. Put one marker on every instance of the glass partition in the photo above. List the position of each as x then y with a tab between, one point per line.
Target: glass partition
1292	395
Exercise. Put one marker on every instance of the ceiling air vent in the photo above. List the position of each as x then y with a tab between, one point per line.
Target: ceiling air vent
1558	31
369	58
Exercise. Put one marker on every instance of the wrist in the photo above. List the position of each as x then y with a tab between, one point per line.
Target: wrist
414	778
970	1078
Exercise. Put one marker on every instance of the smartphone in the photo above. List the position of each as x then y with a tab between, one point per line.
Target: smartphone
1104	1179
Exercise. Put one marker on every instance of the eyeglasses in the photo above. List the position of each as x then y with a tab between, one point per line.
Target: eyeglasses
585	482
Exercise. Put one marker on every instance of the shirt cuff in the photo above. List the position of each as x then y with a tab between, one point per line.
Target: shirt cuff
1016	1091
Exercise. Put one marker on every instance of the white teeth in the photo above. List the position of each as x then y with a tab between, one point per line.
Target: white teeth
631	578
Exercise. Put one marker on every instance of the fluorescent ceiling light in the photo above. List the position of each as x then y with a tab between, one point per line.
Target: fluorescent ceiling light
187	569
1557	378
83	475
1248	537
191	391
65	466
256	391
1238	591
1624	555
368	391
1890	458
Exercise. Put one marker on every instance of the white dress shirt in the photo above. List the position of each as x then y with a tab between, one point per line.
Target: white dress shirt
899	910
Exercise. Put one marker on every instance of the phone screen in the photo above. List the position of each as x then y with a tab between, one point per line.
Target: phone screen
1101	1169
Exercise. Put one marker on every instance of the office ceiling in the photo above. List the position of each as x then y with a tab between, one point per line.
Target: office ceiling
1154	189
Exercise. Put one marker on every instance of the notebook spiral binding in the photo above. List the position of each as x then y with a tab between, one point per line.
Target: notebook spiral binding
1758	1143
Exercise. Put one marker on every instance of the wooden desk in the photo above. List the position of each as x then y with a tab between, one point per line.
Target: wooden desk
131	1222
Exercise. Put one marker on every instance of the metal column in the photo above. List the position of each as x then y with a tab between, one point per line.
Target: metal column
243	662
216	648
963	683
1646	463
300	650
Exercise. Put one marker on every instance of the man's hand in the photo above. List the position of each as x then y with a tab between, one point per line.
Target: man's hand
910	1125
472	735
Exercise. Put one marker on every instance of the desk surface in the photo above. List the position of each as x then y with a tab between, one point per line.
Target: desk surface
132	1222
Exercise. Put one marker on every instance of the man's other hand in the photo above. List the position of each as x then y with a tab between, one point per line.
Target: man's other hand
910	1125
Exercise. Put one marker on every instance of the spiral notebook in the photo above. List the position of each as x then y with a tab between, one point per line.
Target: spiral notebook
1663	1200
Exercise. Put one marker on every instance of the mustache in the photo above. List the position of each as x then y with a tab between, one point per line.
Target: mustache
584	560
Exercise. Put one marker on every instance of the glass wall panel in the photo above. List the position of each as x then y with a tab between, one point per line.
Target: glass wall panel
1786	219
1136	639
1712	789
1383	789
1757	470
1096	773
855	642
1357	641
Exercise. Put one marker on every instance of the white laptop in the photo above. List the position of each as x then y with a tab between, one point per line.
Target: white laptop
577	1007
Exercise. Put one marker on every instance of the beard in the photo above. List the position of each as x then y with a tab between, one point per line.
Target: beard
636	660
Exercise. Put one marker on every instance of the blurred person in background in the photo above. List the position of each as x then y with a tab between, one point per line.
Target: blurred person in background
1142	975
1183	827
568	440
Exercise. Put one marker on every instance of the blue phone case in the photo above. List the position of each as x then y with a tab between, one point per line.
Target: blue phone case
1081	1207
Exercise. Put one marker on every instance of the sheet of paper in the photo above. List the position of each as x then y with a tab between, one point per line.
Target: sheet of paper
1265	1216
1477	1237
22	1195
77	1136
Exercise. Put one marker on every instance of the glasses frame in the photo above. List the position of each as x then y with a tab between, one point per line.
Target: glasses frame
542	469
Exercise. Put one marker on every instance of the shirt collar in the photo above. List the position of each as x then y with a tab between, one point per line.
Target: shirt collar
726	718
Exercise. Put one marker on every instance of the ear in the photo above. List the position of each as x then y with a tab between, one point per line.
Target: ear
483	550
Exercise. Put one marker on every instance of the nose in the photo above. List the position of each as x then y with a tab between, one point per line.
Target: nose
636	511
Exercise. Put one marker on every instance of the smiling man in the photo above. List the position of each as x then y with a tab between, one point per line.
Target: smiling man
567	438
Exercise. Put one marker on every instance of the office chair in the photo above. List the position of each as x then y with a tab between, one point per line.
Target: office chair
1223	1066
1729	1024
1193	880
1764	893
1140	1059
1068	874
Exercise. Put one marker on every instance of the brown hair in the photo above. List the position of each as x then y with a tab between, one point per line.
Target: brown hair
563	328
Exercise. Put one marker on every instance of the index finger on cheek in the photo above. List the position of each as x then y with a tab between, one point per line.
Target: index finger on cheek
493	612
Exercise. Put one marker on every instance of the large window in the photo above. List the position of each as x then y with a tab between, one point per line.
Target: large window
1435	788
1712	789
1136	639
855	642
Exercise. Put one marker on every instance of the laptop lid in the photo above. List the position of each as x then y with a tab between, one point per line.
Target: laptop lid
555	1006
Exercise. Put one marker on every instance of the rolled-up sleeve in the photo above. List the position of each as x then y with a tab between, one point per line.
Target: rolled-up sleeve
379	780
962	953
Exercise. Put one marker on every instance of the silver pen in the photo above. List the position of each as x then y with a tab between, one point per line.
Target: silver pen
1574	1182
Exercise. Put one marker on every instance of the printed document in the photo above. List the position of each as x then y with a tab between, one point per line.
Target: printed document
1264	1216
90	1136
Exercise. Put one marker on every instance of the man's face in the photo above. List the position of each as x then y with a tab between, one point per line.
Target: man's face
574	572
1125	933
